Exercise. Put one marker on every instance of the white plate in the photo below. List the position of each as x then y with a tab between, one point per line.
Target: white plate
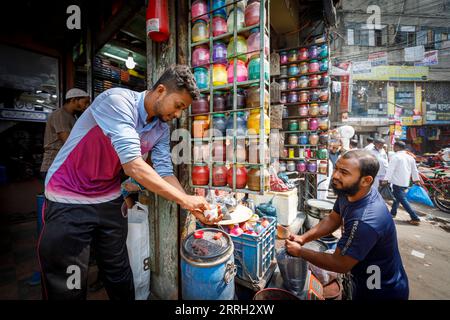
239	215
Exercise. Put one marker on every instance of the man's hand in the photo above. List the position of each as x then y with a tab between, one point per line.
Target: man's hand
201	217
195	203
131	187
297	238
293	248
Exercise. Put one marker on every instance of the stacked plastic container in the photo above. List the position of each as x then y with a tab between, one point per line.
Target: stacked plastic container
230	122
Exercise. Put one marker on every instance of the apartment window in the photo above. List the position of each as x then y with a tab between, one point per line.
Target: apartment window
406	36
369	99
379	38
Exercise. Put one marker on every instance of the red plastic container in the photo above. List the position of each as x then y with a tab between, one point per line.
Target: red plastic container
200	175
219	178
241	177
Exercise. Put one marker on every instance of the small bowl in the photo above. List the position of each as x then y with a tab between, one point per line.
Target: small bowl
283	232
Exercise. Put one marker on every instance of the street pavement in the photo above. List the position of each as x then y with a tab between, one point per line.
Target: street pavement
425	252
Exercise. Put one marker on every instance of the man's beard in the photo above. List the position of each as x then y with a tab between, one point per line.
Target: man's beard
347	192
157	108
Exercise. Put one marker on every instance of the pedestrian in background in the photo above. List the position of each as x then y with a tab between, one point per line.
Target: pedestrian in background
370	144
399	172
380	154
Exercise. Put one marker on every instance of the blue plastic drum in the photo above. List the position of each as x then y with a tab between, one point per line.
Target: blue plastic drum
207	266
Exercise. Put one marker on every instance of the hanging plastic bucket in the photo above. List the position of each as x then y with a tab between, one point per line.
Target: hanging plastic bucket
207	266
274	294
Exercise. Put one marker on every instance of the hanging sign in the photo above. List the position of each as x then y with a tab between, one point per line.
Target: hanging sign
431	58
414	53
378	59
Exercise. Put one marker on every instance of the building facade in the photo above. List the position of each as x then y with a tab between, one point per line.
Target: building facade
392	59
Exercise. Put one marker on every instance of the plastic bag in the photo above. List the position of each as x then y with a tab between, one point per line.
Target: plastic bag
294	271
324	276
139	250
386	192
420	195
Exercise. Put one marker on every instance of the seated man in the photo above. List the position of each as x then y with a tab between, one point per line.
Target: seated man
368	247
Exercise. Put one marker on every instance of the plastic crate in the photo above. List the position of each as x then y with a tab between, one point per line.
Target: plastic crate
253	255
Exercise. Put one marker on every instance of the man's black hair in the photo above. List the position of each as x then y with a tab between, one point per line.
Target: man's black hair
400	144
368	164
178	78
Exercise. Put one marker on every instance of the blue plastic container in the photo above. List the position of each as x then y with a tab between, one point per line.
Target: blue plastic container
253	255
207	267
241	123
219	12
330	241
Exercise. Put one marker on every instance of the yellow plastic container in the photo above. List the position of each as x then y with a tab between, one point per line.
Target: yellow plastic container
253	122
219	75
200	126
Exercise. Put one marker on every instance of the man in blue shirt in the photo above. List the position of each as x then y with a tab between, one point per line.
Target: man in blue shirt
83	185
368	247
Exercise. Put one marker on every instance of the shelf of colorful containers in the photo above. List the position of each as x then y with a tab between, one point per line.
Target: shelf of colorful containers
293	74
302	54
230	86
309	67
223	51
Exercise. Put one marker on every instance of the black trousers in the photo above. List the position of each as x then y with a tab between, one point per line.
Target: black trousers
64	247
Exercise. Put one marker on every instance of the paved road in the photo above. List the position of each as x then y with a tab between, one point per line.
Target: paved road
428	268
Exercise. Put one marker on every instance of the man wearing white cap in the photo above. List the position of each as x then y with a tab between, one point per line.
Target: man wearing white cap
60	123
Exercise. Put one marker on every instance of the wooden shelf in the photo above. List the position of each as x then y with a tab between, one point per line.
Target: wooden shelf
300	103
301	75
304	117
302	145
303	131
226	111
300	61
229	86
298	159
228	189
304	89
226	36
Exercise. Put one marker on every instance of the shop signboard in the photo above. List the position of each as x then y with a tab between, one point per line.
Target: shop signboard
19	115
394	73
414	53
412	121
431	58
345	88
403	135
378	59
438	113
362	67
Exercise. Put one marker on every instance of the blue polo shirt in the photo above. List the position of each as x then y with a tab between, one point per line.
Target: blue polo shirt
111	132
369	236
